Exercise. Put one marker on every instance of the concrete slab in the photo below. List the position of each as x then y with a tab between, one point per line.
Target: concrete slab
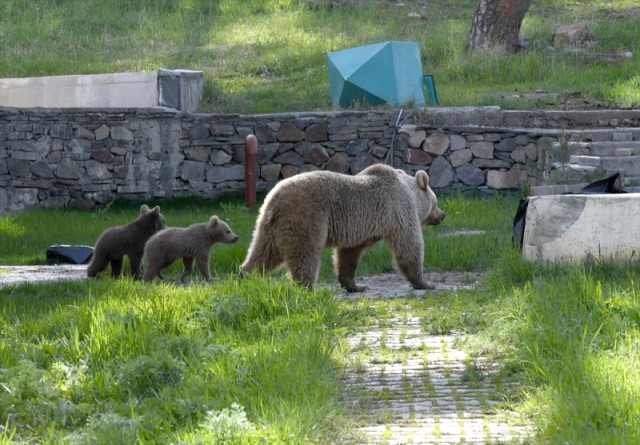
134	89
178	89
575	227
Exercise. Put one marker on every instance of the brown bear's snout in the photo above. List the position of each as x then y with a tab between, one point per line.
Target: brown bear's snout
436	217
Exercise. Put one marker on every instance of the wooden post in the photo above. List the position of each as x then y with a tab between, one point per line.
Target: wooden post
250	170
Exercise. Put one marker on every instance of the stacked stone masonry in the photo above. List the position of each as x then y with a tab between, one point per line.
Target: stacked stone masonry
83	158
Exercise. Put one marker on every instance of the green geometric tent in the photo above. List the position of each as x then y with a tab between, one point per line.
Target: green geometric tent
387	72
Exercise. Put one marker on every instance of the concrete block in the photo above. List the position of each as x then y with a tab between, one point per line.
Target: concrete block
117	90
180	89
574	227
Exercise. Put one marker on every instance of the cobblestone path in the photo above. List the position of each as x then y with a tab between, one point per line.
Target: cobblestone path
407	387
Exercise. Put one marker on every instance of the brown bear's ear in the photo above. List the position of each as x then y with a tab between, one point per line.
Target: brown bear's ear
144	208
422	178
156	210
213	221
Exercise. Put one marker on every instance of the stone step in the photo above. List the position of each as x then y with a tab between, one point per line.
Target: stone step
612	148
607	134
625	165
563	189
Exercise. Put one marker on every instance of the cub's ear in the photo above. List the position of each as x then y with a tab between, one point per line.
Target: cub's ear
422	178
144	208
213	221
156	210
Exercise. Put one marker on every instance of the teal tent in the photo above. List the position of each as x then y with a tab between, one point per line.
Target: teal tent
387	72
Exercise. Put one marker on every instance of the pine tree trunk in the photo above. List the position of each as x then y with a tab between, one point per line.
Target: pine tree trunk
496	24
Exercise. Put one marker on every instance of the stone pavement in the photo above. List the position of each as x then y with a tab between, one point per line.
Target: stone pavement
405	386
15	275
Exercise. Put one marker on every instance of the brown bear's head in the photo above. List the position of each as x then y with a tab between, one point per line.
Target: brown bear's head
154	216
220	231
430	214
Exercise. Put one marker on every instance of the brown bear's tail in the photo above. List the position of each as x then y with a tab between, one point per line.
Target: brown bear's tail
263	255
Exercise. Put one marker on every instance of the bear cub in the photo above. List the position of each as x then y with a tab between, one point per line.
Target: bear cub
189	243
116	242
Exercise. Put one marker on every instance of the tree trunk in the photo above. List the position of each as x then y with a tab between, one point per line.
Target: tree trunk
496	24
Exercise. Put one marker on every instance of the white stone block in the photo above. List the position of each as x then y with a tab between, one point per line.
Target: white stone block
574	227
137	89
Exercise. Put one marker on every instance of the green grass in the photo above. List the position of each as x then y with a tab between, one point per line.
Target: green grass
574	332
261	56
107	361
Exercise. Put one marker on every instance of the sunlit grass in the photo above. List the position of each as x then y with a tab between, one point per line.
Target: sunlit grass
577	331
82	355
271	56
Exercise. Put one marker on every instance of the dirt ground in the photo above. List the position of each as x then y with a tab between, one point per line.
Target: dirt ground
378	286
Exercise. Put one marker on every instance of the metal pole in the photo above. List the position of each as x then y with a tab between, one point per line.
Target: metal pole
250	170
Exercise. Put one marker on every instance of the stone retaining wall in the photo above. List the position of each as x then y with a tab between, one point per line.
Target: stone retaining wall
82	158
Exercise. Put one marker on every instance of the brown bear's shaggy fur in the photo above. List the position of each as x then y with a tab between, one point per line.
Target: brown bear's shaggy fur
190	243
129	239
309	212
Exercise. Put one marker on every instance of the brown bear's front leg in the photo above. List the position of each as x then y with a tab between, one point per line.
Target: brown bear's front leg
423	284
203	265
345	263
408	255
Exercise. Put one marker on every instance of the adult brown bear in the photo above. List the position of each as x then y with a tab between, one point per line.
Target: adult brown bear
306	213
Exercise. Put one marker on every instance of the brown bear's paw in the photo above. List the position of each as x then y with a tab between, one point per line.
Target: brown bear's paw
354	288
423	285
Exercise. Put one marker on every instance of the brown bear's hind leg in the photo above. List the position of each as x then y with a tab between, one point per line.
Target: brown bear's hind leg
188	268
117	266
345	264
97	265
304	268
151	273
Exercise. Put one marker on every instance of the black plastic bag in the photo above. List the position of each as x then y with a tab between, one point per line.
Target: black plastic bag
69	254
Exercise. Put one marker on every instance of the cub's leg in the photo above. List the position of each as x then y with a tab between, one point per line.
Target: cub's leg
188	268
203	265
117	266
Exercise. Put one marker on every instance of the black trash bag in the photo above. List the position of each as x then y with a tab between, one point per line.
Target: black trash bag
606	185
69	254
518	222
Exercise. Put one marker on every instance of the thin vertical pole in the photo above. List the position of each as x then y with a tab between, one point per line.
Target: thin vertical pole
250	170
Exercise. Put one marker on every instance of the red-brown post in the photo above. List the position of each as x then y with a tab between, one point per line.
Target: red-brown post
250	170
